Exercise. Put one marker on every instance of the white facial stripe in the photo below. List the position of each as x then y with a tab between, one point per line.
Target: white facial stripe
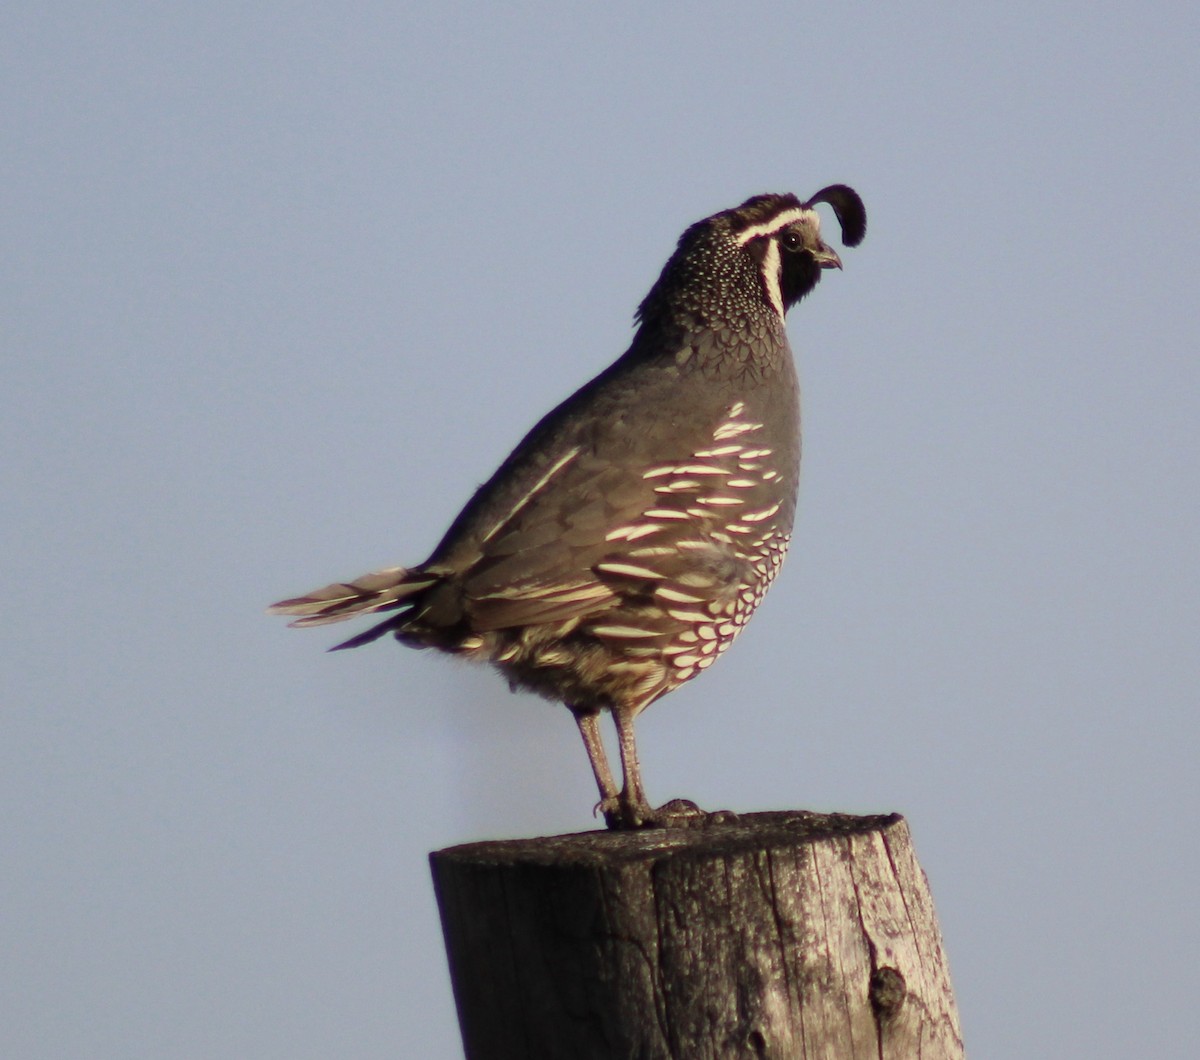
780	220
771	275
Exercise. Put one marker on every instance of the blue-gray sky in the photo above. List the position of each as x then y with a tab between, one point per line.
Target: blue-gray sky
283	282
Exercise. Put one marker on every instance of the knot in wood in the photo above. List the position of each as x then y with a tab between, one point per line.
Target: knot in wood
887	993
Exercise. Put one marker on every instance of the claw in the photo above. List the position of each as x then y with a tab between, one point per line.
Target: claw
611	809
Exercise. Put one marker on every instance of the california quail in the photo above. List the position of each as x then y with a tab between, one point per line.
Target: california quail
629	537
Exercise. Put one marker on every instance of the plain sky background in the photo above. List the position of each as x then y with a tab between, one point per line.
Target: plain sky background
283	282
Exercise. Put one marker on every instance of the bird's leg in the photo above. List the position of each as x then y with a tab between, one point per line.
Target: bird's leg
635	810
589	729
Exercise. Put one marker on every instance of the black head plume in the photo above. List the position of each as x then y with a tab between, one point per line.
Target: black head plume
848	208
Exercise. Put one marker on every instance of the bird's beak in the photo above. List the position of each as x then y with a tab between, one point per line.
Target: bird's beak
826	258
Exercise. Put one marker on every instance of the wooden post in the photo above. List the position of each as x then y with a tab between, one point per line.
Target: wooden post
781	935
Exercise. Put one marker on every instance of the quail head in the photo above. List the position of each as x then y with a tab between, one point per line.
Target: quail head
629	537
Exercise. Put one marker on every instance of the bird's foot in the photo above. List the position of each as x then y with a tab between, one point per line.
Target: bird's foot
626	812
683	813
611	809
678	813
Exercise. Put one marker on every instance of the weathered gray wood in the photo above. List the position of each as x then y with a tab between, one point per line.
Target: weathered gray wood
789	935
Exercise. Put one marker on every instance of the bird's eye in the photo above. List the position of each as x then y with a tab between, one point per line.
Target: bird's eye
792	241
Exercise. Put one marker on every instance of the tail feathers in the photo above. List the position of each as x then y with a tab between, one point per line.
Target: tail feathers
383	590
374	633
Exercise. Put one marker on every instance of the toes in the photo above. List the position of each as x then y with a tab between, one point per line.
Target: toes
623	814
679	808
611	809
